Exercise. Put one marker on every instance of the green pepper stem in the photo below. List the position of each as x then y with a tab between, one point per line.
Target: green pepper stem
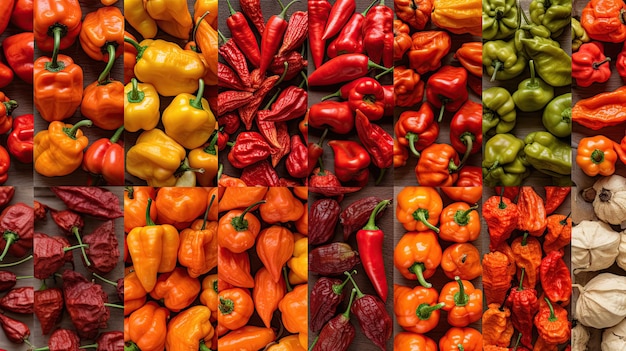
220	170
226	306
195	28
210	149
317	337
597	156
84	123
418	269
421	214
80	242
24	277
149	221
502	204
338	288
305	80
519	337
91	346
272	99
135	95
412	138
521	280
10	106
468	140
282	14
563	222
333	95
104	279
288	285
69	248
9	237
552	317
16	262
221	36
103	78
371	64
116	136
323	137
388	70
440	118
460	347
371	223
424	311
239	223
460	298
203	346
355	286
346	314
284	74
364	13
496	68
380	176
113	305
230	8
533	78
197	102
461	217
206	213
56	36
131	346
596	65
525	239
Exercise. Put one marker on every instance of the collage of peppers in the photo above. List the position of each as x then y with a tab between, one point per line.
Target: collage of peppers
358	116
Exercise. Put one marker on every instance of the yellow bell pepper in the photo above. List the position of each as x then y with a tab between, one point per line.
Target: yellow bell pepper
458	17
58	151
138	18
298	264
141	106
155	158
171	69
172	16
188	119
288	343
205	157
185	331
201	7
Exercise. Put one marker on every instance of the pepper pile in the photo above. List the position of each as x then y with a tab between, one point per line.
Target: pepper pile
169	97
438	236
430	82
515	45
335	258
526	281
262	99
16	75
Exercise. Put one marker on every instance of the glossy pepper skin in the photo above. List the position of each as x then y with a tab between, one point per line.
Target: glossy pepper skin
466	129
418	208
172	17
468	338
319	10
532	212
238	229
370	243
463	302
408	88
176	289
235	308
339	15
145	328
414	13
342	68
417	255
417	129
58	151
141	106
557	116
502	60
548	154
470	56
554	15
462	260
378	34
275	28
502	163
19	52
500	19
274	248
6	107
179	206
405	341
446	89
6	75
377	141
603	20
416	309
532	94
498	110
590	65
602	110
100	29
402	40
552	63
60	19
139	19
458	17
429	48
247	337
294	310
266	295
4	20
103	103
58	87
106	157
205	157
368	97
135	203
559	233
198	247
351	161
155	157
437	166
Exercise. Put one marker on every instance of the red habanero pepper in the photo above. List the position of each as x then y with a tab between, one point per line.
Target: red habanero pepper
446	89
417	129
6	75
370	243
376	141
294	61
249	148
6	107
470	57
555	195
297	163
19	300
620	63
470	176
368	96
20	140
243	36
283	146
19	51
466	135
341	69
510	192
555	277
106	157
296	32
56	24
333	115
428	48
350	38
589	65
271	38
252	9
501	216
260	174
523	304
248	111
338	17
318	15
230	122
378	34
322	178
351	161
437	166
222	140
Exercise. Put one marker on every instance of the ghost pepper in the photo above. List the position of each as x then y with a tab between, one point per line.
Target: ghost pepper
523	304
501	216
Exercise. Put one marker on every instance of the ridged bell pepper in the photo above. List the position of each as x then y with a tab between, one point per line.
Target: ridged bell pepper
548	154
6	107
589	65
532	94
58	87
402	40
447	89
497	327
417	129
418	208
552	63
134	293
498	110
460	223
458	17
103	103
415	13
58	151
555	15
500	19
141	106
408	88
274	247
172	16
155	158
417	256
102	34
462	339
137	16
167	66
105	157
146	328
19	51
188	119
429	48
470	56
502	60
463	302
198	247
462	260
235	307
20	140
596	155
238	229
153	248
438	166
179	206
281	206
604	20
176	289
502	162
416	309
298	263
56	24
188	328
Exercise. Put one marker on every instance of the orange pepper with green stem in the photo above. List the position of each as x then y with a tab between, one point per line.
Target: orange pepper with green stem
102	34
238	229
417	255
58	87
280	206
527	253
135	202
56	24
463	260
461	339
294	311
205	157
208	296
249	337
234	268
416	309
596	155
197	245
176	289
497	328
58	151
559	233
145	329
459	223
438	166
188	328
274	247
240	197
235	308
267	294
419	208
552	323
180	206
6	107
463	302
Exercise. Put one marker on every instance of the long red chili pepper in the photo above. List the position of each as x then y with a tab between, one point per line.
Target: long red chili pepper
272	36
370	243
318	15
339	15
342	68
243	36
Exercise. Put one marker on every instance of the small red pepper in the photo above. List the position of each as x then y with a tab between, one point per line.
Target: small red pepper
297	161
334	115
230	122
466	135
417	129
19	300
17	332
344	92
19	51
351	161
377	142
231	53
368	96
447	89
106	157
271	38
249	148
555	277
295	34
290	104
17	226
524	305
370	243
338	17
20	140
470	176
315	151
620	63
589	65
378	34
342	68
6	107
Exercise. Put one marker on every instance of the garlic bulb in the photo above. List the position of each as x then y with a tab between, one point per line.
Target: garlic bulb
614	338
594	246
602	302
580	338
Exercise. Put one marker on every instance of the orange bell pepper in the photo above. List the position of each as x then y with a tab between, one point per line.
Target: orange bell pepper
295	311
153	248
208	296
406	341
527	252
463	260
56	19
281	206
267	294
198	247
234	268
468	338
238	229
416	309
596	155
135	202
134	293
459	223
102	34
419	208
275	247
246	338
235	308
469	194
188	328
180	206
103	103
417	255
176	289
463	302
240	197
146	327
58	87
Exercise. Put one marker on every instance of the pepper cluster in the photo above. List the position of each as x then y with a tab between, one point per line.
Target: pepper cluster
16	35
514	45
526	281
167	77
438	236
433	72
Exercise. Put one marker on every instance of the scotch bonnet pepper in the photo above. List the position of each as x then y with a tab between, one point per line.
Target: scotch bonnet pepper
56	24
58	87
498	110
500	19
503	163
58	151
604	20
141	106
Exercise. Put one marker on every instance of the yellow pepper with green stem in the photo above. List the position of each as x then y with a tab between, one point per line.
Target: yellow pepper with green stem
205	157
141	106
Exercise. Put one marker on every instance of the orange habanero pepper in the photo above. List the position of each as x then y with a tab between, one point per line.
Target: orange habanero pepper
208	296
469	194
559	233
238	229
417	255
134	293
58	87
180	206
275	247
302	192
459	223
198	247
176	289
267	294
56	23
280	206
463	260
135	202
406	341
294	309
234	268
247	338
240	197
188	328
146	327
468	339
463	302
419	208
416	309
235	308
527	253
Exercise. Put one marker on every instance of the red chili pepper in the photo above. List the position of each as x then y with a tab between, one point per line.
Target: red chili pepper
524	305
377	141
378	34
555	195
350	38
589	65
370	243
351	161
368	96
333	115
417	129
297	161
243	36
390	100
260	174
290	104
318	16
339	15
106	157
342	68
248	111
235	58
284	145
249	148
296	32
48	307
315	151
466	134
9	279
19	51
19	300
271	38
252	9
231	100
446	89
228	79
20	140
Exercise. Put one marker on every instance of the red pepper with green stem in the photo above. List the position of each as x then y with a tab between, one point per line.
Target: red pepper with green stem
19	51
6	107
368	96
338	17
524	305
350	38
351	161
370	243
9	279
242	35
315	151
417	129
290	104
338	333
20	140
377	142
17	227
447	89
378	34
342	68
333	115
296	33
272	36
105	157
466	135
319	10
248	148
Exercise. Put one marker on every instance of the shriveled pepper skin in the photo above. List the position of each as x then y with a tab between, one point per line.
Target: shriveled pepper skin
497	327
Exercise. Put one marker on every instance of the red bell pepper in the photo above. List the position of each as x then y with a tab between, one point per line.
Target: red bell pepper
5	164
20	140
370	243
343	68
378	34
417	129
368	96
5	15
106	157
620	63
22	15
470	176
6	107
589	65
339	15
466	134
351	161
334	115
6	75
447	89
344	92
19	51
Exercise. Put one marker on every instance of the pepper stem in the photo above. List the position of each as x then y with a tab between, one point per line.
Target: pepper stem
596	65
496	67
424	311
563	222
371	223
346	314
412	138
461	217
502	204
91	346
468	140
80	242
220	171
460	347
69	248
338	288
460	298
206	213
533	78
56	35
440	118
203	346
521	280
103	78
10	106
506	296
284	74
525	239
323	137
418	269
282	14
597	156
380	176
230	8
9	237
221	36
359	294
24	277
421	214
197	102
135	95
226	306
239	222
333	95
113	305
16	262
104	279
552	317
195	28
519	337
149	221
388	70
314	342
371	64
305	80
72	131
274	97
288	285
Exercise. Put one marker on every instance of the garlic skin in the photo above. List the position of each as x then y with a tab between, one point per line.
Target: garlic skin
580	338
595	246
621	257
602	302
614	338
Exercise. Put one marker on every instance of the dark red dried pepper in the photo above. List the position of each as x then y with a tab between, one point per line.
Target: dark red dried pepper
332	259
323	218
290	104
94	201
62	340
71	223
103	251
48	307
377	142
85	301
111	341
6	194
9	279
252	9
369	241
50	253
17	226
372	315
19	300
326	295
14	330
338	333
357	214
260	174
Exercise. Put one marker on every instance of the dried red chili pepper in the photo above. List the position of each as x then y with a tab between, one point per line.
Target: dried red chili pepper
249	148
297	161
501	216
333	259
372	314
532	213
17	226
230	122
284	145
228	78
17	332
40	210
417	129
62	340
231	100
252	9
109	341
342	68
523	304
555	195
338	333
357	214
378	34
324	215
19	300
9	279
271	37
555	277
370	244
103	248
326	295
289	64
243	36
331	190
296	32
6	194
50	253
290	104
377	142
48	307
446	89
71	223
236	59
248	111
260	174
94	201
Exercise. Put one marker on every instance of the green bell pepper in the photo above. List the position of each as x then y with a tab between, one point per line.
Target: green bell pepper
557	116
548	154
502	61
554	14
503	161
498	110
579	35
501	18
532	93
552	63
